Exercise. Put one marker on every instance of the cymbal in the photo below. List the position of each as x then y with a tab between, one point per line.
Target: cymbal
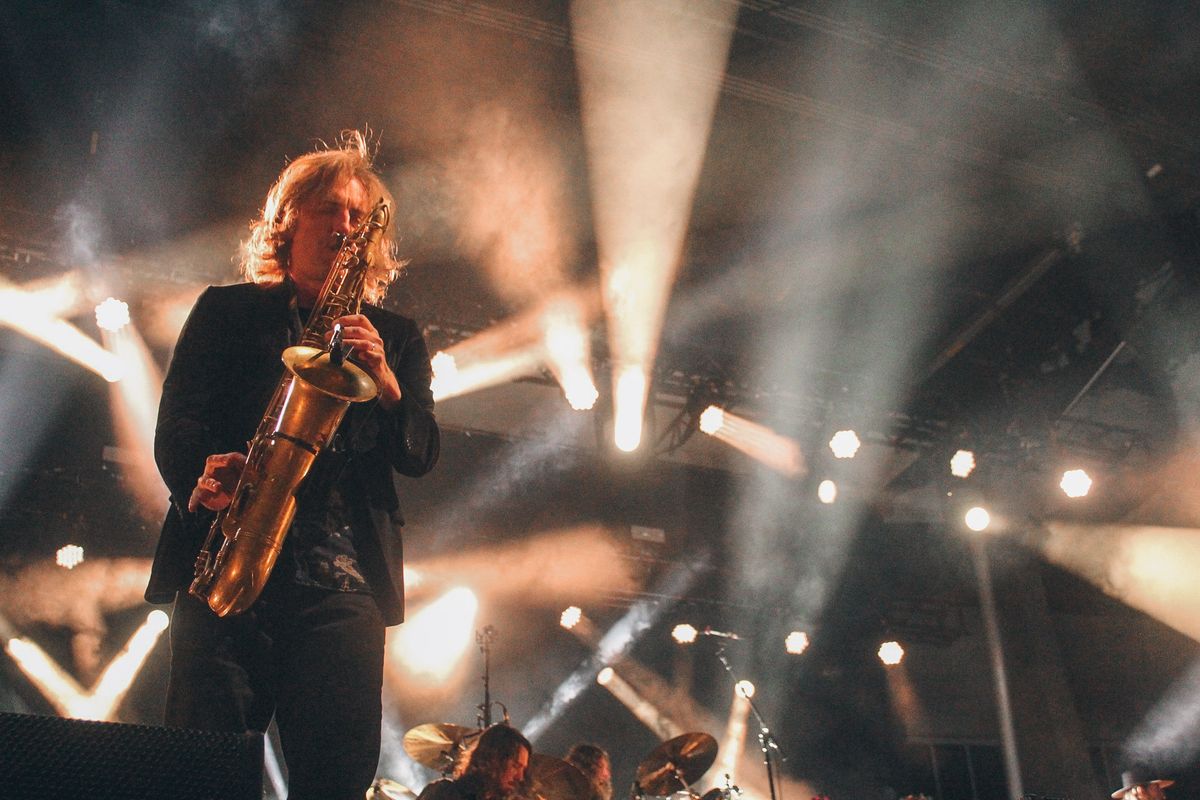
384	789
437	745
676	763
552	778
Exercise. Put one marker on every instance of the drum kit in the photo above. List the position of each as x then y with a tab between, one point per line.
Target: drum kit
668	771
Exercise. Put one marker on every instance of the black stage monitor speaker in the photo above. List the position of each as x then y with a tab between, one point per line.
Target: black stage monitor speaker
53	758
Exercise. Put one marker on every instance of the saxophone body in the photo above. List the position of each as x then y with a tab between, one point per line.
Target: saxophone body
317	387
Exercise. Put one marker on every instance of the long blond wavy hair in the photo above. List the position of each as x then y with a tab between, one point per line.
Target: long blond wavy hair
265	254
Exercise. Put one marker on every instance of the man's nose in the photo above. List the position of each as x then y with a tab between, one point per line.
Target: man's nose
345	222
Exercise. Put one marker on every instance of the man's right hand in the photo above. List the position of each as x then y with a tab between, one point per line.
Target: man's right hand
214	489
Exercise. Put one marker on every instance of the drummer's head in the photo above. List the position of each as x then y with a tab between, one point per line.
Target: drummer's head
593	762
500	759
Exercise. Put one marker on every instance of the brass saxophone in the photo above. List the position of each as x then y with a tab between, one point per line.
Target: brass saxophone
313	395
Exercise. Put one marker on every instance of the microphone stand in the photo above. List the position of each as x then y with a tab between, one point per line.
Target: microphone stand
772	755
485	639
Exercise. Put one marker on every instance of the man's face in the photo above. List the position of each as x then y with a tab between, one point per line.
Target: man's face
1147	791
604	779
314	243
514	772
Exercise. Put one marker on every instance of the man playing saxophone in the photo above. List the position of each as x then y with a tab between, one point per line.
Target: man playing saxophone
309	650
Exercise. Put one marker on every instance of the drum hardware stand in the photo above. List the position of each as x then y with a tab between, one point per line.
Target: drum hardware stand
484	639
772	755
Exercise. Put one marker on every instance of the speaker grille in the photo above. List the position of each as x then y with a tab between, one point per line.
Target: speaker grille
51	757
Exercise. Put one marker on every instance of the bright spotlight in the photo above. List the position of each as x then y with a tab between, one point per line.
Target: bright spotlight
431	642
744	689
827	491
112	314
844	444
684	633
962	463
570	617
712	419
796	642
69	556
629	405
1076	483
977	518
445	381
568	354
604	676
891	653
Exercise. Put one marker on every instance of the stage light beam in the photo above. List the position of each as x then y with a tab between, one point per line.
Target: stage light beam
1075	483
977	518
796	642
69	556
649	78
891	653
962	463
432	641
844	444
757	441
683	633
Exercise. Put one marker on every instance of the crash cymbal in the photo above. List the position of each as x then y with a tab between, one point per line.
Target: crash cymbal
437	745
676	763
552	778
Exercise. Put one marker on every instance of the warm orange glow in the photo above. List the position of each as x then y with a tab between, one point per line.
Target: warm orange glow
757	441
431	642
1153	569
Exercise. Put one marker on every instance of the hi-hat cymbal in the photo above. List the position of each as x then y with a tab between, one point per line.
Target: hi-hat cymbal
437	745
676	763
552	778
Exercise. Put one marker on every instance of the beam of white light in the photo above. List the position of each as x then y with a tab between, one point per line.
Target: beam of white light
118	676
649	76
60	296
134	402
21	312
734	739
1170	733
64	692
629	405
618	640
650	715
757	441
59	688
568	354
456	373
1152	569
431	642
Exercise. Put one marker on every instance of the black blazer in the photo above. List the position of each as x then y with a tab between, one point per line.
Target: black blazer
225	367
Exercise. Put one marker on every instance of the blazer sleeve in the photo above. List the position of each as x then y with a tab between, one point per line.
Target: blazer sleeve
182	436
409	428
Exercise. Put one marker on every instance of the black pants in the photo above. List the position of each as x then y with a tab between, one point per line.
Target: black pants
311	657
